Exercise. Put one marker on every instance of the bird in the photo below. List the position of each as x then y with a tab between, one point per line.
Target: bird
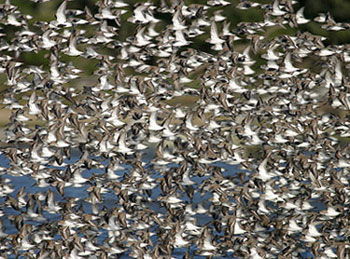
168	130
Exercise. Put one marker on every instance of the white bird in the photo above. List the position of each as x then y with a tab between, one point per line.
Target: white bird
122	147
214	37
141	38
103	83
114	118
293	226
119	4
270	55
139	16
330	253
237	228
179	240
312	230
61	19
50	201
177	22
106	13
189	123
12	20
208	244
263	174
153	125
330	212
288	66
300	17
276	10
72	47
180	39
33	106
47	43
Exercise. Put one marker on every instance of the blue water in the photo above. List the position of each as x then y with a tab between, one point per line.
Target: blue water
111	200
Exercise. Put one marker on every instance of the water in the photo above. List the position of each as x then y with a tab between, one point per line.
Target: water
110	201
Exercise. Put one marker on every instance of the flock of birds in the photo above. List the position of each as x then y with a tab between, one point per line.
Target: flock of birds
194	138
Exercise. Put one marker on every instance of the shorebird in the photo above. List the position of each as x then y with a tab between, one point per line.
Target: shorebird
61	19
163	130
